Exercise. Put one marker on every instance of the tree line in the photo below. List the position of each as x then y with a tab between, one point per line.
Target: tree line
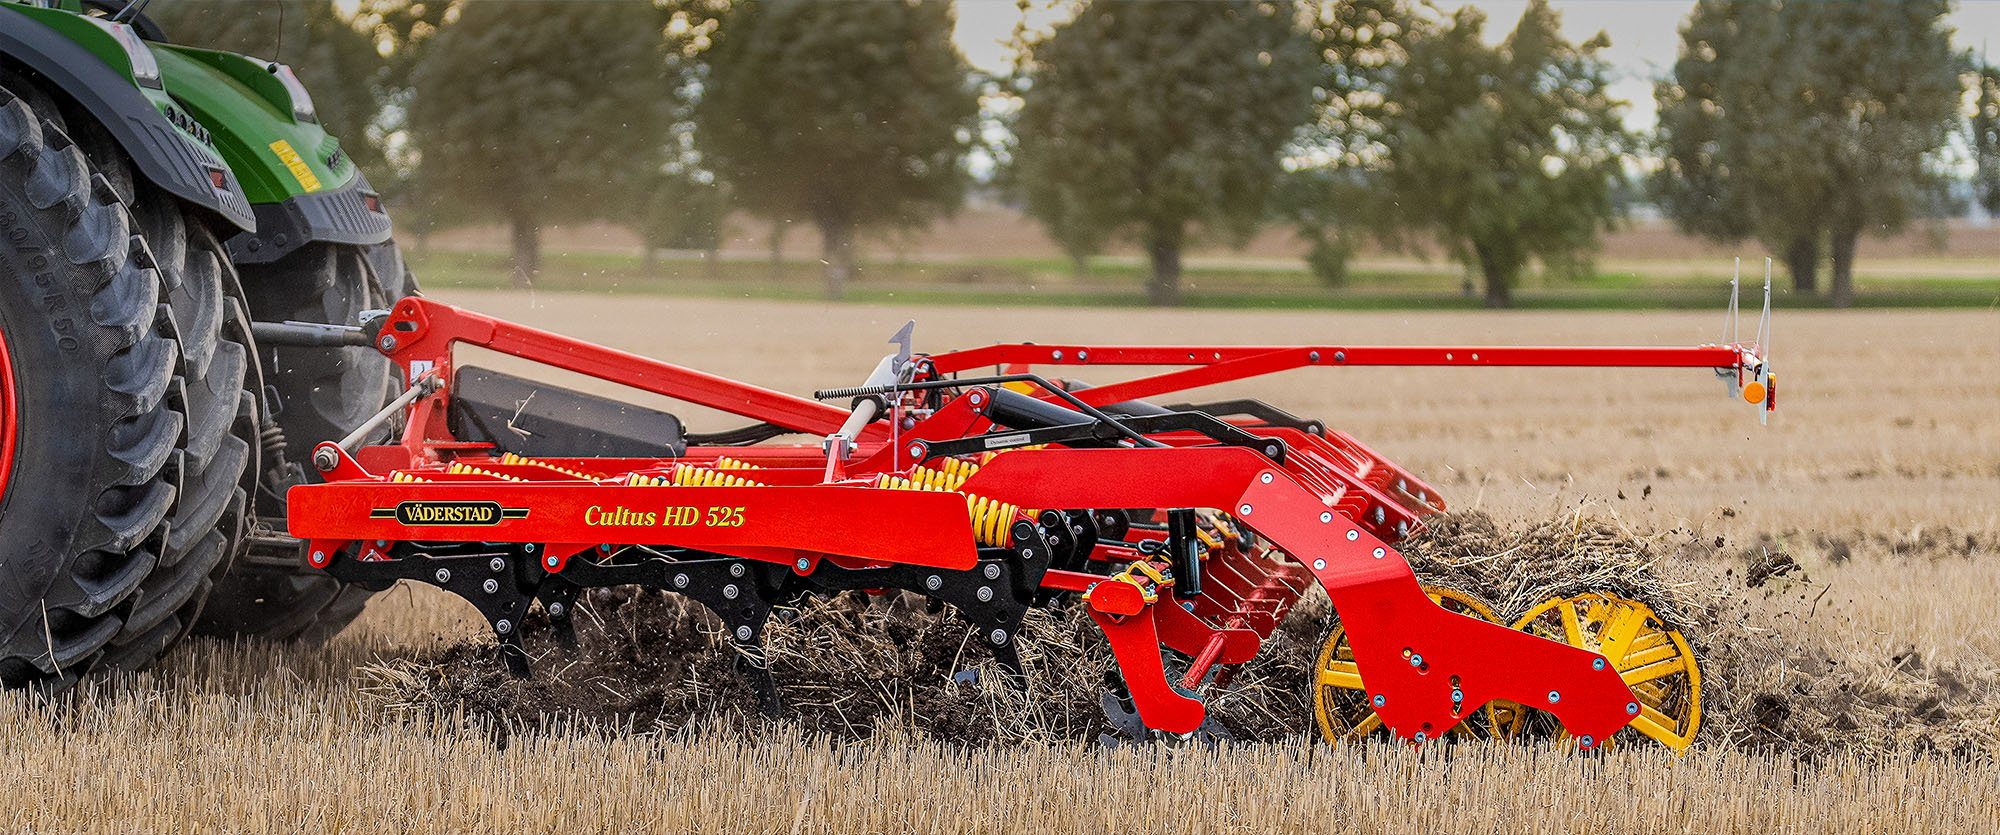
1794	124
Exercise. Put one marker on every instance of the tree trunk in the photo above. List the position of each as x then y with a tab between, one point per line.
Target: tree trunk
649	258
1841	291
1802	260
837	249
527	251
1499	272
777	242
1163	287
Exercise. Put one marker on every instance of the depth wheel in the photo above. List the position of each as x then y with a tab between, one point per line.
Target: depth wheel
1340	702
1653	658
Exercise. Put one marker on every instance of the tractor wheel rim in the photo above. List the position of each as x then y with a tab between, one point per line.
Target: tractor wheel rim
1653	658
7	420
1340	705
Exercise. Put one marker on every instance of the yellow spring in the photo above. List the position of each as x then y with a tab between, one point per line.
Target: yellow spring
725	462
520	461
467	469
991	520
689	475
400	477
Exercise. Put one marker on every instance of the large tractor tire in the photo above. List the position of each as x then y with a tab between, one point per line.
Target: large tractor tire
323	393
125	425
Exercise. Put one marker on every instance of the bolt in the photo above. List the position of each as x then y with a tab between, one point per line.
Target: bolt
736	569
916	450
743	633
325	459
1555	696
1271	451
1353	535
680	581
1379	553
803	563
1244	510
729	592
1631	708
1416	660
1379	515
1027	553
1083	355
933	582
497	564
503	627
998	637
1326	517
1313	356
319	556
985	594
553	562
387	342
1056	354
443	575
1380	700
992	571
1340	356
1585	741
1420	736
531	547
1319	565
491	585
381	543
1266	479
1597	663
556	610
1458	695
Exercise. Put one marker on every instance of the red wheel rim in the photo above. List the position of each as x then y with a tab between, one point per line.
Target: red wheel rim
7	422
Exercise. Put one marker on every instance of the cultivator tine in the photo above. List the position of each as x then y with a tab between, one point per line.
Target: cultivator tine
1187	533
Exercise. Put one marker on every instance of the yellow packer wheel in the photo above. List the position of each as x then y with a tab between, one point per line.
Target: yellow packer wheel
1654	659
1340	702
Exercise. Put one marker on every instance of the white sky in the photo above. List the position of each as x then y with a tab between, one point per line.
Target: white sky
1644	34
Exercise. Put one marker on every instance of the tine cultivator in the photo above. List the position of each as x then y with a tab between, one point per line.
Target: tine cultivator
1187	532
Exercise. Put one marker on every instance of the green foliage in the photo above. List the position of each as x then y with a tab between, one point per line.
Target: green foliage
850	115
1501	154
681	211
337	61
540	110
1149	118
1803	123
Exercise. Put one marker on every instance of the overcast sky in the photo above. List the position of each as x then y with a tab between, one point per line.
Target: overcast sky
1644	34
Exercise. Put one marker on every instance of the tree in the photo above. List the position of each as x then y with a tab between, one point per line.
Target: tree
850	115
1506	153
541	110
337	61
1986	138
1804	123
683	211
1150	119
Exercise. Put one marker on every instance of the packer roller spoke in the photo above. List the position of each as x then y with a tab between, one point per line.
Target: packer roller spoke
1652	658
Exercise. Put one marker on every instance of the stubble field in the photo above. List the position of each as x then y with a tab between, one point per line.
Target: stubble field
1879	476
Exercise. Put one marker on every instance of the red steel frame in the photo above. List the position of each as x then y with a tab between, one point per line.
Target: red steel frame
1327	514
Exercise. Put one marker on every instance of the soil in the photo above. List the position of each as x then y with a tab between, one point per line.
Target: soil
856	666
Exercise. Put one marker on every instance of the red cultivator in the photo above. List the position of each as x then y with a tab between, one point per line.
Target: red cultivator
1190	527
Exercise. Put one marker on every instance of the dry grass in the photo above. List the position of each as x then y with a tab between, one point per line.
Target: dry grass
1881	476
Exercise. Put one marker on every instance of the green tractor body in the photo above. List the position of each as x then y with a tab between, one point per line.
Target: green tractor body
139	176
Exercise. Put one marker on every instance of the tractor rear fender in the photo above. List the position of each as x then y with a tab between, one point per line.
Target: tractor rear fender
304	188
109	73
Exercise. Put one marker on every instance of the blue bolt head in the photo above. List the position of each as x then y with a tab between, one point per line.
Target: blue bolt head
1458	695
1555	696
1631	708
1586	741
1380	700
1597	663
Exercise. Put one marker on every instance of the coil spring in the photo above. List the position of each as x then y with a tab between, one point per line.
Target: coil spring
400	477
467	469
689	475
523	461
725	462
992	521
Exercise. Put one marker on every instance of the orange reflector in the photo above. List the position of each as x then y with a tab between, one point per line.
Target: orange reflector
1753	392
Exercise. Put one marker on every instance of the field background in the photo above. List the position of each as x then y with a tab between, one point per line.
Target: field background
1886	437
